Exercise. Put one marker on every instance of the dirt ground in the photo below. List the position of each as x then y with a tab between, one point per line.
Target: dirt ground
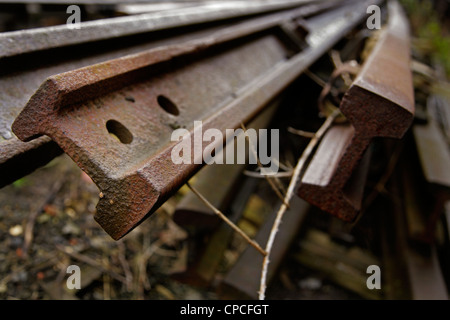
46	224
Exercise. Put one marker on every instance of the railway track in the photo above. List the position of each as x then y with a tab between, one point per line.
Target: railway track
111	94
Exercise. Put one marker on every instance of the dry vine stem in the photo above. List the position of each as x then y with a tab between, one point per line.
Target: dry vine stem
260	176
301	133
229	222
296	175
273	185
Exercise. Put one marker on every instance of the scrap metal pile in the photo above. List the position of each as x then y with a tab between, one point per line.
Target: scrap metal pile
111	93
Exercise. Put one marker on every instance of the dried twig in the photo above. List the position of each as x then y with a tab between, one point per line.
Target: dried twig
227	221
298	170
380	186
29	227
301	133
271	182
280	186
281	165
143	282
336	58
55	289
350	67
125	265
90	261
319	81
48	260
315	78
259	175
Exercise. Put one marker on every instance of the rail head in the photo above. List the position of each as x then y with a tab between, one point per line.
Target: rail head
381	99
379	103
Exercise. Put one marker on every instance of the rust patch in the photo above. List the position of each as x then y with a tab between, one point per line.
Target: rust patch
380	103
223	86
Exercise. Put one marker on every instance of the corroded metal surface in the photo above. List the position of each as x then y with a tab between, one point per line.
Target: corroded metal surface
140	99
22	75
380	103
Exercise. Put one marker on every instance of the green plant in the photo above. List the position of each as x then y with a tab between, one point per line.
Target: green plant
430	38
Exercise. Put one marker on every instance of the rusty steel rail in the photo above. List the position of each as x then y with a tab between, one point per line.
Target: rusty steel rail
142	97
26	41
379	103
23	73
